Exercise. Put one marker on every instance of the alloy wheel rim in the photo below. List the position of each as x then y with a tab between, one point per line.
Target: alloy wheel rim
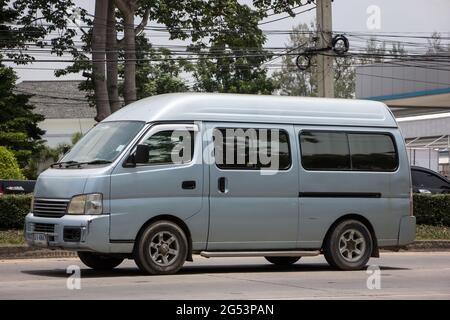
352	245
164	248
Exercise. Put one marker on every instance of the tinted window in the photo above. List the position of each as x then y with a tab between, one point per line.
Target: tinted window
372	152
347	151
421	179
324	150
251	149
169	145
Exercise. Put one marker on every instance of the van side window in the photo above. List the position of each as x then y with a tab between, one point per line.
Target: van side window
372	152
325	150
356	151
169	147
251	149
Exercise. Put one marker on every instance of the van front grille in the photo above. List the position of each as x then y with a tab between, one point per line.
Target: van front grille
43	227
50	208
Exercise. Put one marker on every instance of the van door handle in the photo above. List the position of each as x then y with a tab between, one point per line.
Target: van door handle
222	184
188	184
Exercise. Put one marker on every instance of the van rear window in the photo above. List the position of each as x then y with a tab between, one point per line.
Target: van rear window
372	152
325	150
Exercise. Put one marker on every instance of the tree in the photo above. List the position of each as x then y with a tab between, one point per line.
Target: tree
375	50
234	60
156	70
29	22
117	59
397	49
25	22
98	59
294	82
19	131
9	169
290	79
435	46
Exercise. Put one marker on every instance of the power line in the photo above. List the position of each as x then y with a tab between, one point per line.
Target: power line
225	55
392	34
286	17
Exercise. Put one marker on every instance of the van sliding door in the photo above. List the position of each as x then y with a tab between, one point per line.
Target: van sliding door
253	187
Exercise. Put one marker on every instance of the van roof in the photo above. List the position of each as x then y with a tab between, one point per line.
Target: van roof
256	108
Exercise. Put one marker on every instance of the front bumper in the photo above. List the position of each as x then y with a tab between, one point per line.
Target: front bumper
407	232
92	232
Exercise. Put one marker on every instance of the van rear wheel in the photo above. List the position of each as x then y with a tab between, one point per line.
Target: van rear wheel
348	246
99	261
283	261
161	248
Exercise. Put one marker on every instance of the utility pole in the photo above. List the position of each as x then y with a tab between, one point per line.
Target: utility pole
325	74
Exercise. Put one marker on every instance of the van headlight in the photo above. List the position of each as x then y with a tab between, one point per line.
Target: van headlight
91	203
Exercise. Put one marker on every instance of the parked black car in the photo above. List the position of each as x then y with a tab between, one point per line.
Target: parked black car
16	186
428	181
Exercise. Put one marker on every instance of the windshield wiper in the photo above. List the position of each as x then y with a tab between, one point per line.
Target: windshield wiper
61	163
96	161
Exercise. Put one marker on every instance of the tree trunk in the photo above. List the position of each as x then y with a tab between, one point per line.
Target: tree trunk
129	92
98	58
112	57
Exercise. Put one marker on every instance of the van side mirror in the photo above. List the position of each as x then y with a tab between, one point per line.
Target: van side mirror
142	153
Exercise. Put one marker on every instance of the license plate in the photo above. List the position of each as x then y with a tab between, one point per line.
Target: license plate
40	239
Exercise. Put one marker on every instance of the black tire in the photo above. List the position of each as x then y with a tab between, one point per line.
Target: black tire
98	261
345	251
282	261
156	255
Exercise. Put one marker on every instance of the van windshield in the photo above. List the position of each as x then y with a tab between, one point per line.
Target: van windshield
104	142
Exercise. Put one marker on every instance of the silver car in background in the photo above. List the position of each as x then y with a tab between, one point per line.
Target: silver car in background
229	175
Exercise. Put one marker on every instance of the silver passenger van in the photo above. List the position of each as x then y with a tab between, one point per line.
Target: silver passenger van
219	175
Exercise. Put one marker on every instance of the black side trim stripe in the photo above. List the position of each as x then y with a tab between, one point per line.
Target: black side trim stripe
121	241
339	195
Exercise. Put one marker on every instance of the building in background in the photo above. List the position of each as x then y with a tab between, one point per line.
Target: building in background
64	107
418	93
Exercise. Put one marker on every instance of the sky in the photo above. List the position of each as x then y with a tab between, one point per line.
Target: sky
395	16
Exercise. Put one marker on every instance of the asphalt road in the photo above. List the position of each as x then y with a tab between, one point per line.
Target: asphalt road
404	275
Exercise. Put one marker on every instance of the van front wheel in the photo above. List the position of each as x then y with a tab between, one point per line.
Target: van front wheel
283	261
348	246
161	248
99	261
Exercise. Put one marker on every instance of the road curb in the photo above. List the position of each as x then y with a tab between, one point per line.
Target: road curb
429	245
26	252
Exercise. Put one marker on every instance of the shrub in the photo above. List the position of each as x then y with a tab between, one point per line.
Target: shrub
432	209
76	137
13	209
9	169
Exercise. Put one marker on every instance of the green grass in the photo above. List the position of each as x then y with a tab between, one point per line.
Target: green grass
426	232
11	237
423	232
